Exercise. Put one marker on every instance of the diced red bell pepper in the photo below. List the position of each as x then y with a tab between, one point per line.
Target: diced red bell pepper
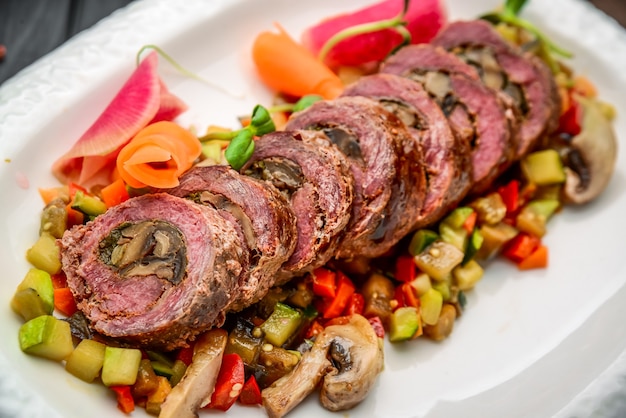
59	280
185	354
64	301
229	384
520	247
405	268
356	303
125	401
510	196
251	393
378	326
345	288
324	282
314	329
73	188
74	217
570	120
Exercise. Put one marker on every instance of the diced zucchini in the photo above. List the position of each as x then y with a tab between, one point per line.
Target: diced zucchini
457	217
443	287
178	371
405	323
422	239
474	243
45	254
89	205
543	167
534	216
431	303
162	369
281	324
120	366
468	275
34	295
86	360
46	336
439	259
421	283
456	237
490	209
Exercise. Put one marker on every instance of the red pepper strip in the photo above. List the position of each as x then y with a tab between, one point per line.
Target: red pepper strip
64	301
520	247
185	354
74	217
229	382
324	282
251	393
537	259
470	222
405	296
345	288
125	401
405	268
339	320
510	196
356	303
377	324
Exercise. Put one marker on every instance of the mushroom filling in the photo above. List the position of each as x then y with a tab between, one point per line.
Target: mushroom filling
283	173
484	61
221	202
146	248
347	142
404	112
439	87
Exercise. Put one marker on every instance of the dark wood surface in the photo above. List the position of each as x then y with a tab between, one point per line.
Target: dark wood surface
30	29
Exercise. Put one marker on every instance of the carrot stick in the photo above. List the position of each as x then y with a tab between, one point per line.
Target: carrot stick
288	67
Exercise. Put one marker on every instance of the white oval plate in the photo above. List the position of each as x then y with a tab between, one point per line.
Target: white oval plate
530	344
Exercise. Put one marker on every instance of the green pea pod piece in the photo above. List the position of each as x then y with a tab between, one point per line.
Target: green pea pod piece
261	121
306	101
240	149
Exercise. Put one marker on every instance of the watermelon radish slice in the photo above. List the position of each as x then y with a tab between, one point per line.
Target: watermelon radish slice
424	19
143	99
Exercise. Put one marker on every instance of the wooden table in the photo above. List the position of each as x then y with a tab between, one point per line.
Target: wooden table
32	28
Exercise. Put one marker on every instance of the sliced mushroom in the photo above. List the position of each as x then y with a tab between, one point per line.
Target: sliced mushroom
197	385
356	359
591	156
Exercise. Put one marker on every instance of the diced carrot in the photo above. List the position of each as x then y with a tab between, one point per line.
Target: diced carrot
345	288
115	193
537	259
288	67
584	86
324	282
51	193
125	401
470	222
64	301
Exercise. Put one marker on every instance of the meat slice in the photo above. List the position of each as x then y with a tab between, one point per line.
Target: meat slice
477	114
154	271
503	67
446	156
262	214
313	174
385	162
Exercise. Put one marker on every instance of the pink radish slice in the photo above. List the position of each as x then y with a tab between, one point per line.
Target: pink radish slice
141	100
424	17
